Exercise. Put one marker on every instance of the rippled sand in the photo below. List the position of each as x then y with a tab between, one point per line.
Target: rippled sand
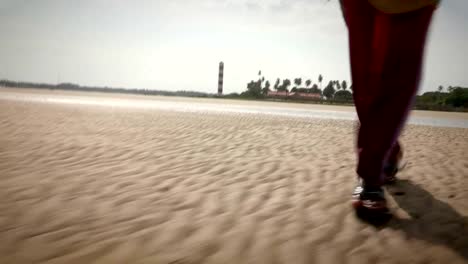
90	184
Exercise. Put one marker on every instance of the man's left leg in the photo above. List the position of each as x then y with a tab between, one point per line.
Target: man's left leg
392	164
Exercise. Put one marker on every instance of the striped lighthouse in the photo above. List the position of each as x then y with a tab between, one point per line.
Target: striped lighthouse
220	78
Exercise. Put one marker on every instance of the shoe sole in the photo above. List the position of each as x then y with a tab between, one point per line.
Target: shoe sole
361	205
373	218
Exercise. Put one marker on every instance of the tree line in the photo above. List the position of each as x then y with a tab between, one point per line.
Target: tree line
76	87
454	98
335	90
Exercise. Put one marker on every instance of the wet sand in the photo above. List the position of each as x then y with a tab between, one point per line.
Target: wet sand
93	184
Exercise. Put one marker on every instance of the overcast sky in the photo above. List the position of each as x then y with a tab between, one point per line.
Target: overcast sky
177	44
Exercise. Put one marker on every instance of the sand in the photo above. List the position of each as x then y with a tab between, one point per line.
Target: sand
93	184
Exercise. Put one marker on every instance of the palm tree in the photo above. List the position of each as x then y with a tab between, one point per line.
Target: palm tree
344	85
254	89
285	85
329	91
440	89
315	89
320	78
308	83
266	88
277	83
298	82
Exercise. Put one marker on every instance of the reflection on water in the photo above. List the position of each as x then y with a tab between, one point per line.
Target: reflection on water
192	106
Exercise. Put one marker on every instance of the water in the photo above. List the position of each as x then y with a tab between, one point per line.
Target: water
211	107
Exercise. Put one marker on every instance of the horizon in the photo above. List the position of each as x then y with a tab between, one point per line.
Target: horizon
177	46
130	89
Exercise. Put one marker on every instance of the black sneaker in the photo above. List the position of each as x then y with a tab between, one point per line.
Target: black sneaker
390	172
369	198
391	169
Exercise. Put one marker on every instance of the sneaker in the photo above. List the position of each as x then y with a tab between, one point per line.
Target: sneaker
391	169
390	172
369	198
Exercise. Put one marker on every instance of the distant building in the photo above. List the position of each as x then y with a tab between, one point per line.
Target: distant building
277	94
220	78
306	95
294	95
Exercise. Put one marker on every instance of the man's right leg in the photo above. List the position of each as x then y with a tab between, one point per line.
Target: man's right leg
366	64
359	17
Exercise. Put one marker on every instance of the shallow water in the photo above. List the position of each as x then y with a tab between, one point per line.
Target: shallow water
194	106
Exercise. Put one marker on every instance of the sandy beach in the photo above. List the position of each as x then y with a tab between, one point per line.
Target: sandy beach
96	184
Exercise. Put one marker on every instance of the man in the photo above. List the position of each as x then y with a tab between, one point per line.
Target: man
386	44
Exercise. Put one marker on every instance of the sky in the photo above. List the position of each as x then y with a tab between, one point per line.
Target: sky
178	44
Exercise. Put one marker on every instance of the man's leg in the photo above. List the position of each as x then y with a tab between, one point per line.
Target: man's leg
404	38
392	164
395	154
386	54
361	18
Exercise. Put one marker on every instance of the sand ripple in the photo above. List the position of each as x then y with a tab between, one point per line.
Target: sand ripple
101	185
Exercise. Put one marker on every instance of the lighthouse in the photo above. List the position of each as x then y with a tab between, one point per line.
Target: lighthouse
220	78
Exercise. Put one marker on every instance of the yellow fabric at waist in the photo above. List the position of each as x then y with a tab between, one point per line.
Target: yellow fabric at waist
401	6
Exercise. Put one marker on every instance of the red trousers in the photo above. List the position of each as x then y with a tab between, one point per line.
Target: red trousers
386	53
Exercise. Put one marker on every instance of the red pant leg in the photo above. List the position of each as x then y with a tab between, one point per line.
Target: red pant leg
359	17
386	59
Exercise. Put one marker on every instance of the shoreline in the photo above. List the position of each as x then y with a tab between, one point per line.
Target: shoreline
293	105
225	106
301	104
